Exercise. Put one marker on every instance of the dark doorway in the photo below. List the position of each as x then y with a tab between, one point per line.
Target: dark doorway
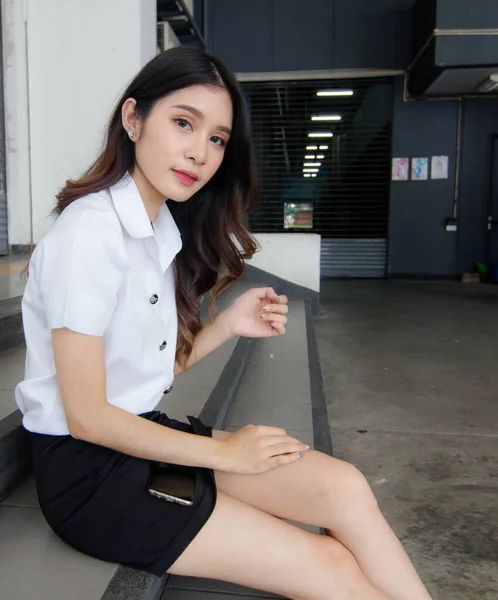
493	204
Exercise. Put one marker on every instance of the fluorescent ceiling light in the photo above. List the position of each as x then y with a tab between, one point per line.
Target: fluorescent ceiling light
307	175
335	93
320	156
310	170
326	118
324	147
311	147
313	164
313	175
323	134
310	157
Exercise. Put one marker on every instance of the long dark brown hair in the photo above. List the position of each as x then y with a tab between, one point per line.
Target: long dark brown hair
215	242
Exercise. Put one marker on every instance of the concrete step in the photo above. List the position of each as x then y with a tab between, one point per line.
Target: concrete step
34	562
188	395
12	285
55	570
276	390
14	458
11	331
11	373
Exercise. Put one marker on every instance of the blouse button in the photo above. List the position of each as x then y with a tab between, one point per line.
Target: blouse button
168	389
154	299
163	346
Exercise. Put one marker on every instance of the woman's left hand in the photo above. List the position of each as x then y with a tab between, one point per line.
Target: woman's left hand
258	313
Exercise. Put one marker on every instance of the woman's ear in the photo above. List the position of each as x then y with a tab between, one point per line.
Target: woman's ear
130	119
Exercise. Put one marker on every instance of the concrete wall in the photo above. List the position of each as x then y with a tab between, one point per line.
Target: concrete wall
467	14
17	145
294	35
362	35
291	256
418	241
76	58
480	123
65	64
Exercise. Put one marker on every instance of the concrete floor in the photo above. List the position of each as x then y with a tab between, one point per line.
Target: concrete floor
413	367
411	380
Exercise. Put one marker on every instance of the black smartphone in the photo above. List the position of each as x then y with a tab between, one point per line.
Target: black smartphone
173	483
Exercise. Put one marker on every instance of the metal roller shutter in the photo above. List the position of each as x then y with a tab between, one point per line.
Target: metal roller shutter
345	195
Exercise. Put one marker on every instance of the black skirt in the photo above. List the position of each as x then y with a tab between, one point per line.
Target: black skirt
96	500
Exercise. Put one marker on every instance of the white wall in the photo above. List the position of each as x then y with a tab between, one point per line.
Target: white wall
65	64
16	121
291	256
80	56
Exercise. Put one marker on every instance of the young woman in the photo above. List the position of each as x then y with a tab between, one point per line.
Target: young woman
111	315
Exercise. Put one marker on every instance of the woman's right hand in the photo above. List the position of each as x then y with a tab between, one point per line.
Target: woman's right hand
256	449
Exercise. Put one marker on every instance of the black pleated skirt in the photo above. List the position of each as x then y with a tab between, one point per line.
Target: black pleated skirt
96	500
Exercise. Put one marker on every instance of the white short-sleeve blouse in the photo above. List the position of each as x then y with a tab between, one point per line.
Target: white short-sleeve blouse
104	270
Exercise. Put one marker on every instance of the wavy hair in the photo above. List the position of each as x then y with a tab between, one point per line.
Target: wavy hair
215	241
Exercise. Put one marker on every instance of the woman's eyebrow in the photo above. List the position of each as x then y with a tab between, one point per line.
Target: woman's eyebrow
199	115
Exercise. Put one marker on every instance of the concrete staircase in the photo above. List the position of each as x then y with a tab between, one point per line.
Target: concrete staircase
273	382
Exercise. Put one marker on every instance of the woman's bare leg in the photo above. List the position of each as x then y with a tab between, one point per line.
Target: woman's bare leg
246	546
323	491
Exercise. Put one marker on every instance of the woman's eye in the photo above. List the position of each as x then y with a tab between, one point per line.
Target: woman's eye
218	140
183	123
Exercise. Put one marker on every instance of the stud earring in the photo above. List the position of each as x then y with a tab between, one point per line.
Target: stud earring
131	134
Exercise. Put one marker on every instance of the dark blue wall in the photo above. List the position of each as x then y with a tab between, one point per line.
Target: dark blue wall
287	35
467	14
199	15
302	39
418	241
372	34
479	124
241	33
290	35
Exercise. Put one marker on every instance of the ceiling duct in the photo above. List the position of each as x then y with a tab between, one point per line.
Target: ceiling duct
456	48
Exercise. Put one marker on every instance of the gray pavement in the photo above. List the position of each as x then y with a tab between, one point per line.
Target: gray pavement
414	367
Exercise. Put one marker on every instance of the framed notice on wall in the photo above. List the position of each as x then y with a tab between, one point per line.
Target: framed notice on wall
420	169
400	169
439	167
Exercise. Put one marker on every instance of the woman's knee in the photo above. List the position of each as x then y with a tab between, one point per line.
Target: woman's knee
347	489
349	580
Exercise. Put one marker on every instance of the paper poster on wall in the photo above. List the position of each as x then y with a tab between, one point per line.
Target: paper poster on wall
439	167
420	169
400	169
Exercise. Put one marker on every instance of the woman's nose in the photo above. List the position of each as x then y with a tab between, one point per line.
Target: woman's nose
198	152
